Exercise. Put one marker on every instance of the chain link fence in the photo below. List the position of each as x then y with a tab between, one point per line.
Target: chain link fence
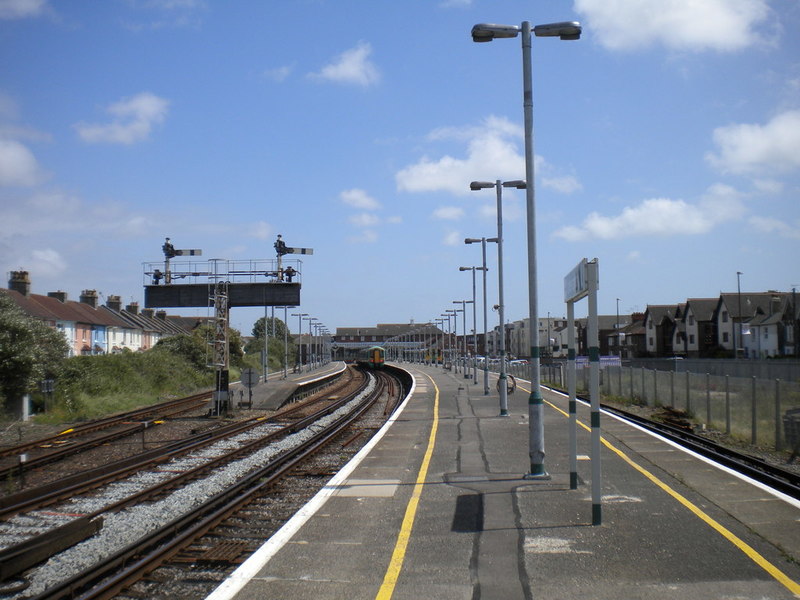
761	412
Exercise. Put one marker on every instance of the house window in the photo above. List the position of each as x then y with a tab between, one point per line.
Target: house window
725	337
766	334
691	319
649	341
691	339
649	324
724	316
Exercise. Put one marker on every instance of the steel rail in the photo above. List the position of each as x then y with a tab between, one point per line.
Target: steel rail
92	478
773	476
183	530
104	423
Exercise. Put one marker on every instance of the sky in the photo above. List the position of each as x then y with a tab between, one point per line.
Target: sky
667	145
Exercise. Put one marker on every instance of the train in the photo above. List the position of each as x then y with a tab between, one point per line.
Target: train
371	358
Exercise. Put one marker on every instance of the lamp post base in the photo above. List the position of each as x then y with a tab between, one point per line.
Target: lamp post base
537	474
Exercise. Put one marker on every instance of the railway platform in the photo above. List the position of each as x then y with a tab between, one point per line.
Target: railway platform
277	390
437	506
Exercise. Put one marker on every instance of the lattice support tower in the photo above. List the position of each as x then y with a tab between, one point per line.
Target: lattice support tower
221	350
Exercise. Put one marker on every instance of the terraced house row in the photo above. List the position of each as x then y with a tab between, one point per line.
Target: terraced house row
94	328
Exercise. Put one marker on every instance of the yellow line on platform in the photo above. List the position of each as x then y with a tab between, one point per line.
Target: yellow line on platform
748	550
399	554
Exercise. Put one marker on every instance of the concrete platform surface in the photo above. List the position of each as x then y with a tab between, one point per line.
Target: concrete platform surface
270	395
437	506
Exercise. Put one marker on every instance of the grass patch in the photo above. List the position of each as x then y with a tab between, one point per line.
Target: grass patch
94	386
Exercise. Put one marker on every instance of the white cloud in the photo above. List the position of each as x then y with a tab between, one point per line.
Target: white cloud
162	14
50	213
687	25
448	213
752	148
366	236
279	74
661	217
773	226
18	165
19	9
364	220
46	262
359	199
134	119
9	114
453	238
634	256
566	185
261	230
492	153
351	66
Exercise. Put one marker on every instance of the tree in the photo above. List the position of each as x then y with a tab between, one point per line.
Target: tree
188	346
29	352
276	328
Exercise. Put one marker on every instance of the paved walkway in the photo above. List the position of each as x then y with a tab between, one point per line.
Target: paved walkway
437	507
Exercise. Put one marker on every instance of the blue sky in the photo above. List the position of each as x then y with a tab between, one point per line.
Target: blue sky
667	145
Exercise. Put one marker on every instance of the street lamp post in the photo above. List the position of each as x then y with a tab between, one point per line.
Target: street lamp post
453	313
739	294
300	339
310	358
447	341
499	185
485	332
569	30
440	348
463	304
475	321
619	350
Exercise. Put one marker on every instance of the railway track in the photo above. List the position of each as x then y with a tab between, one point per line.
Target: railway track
85	436
782	480
241	473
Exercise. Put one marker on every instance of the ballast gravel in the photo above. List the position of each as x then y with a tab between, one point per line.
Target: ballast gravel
125	527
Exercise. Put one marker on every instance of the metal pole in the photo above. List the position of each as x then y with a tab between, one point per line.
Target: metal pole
778	442
464	331
485	332
739	294
573	402
535	400
593	342
474	331
285	341
266	342
503	381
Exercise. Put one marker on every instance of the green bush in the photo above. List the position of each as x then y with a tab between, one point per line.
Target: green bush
92	386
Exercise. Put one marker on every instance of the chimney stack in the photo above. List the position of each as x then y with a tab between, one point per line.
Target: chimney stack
89	297
162	314
19	282
148	312
133	308
114	303
59	295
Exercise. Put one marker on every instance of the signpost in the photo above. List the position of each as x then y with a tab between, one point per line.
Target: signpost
250	379
583	281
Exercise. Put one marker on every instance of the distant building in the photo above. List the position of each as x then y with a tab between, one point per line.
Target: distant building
93	329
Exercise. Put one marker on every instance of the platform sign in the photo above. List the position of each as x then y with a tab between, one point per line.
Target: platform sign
576	283
250	378
584	281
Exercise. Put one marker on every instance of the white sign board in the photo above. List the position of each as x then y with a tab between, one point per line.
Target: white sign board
576	283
